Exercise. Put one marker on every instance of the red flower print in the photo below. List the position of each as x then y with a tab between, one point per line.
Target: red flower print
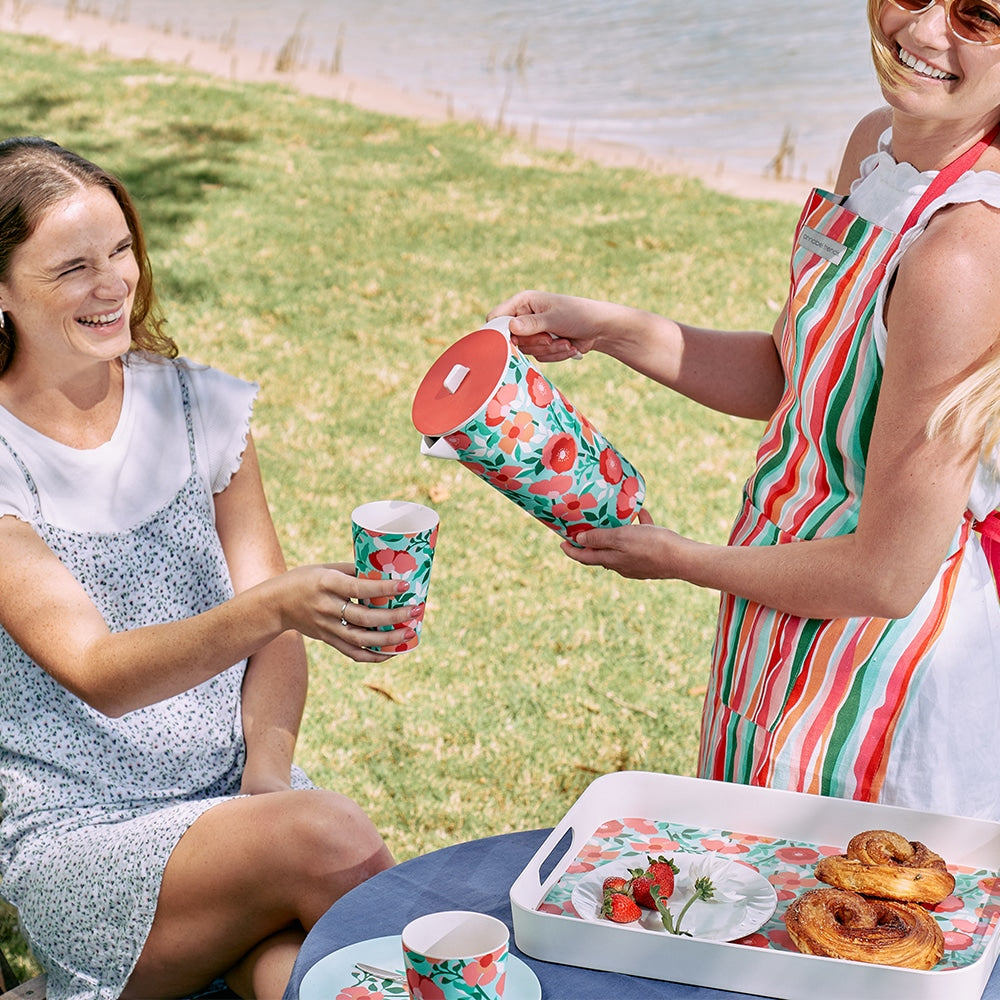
751	838
756	940
950	904
498	408
506	478
573	530
476	468
639	826
559	453
991	886
393	561
521	428
591	855
421	988
551	908
359	993
659	845
826	851
611	466
783	940
459	440
375	602
627	498
481	971
955	941
797	855
612	828
551	488
538	388
723	846
572	508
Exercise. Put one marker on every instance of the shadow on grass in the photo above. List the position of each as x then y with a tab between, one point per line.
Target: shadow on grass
169	175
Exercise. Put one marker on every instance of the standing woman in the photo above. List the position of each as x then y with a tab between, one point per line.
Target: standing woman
858	643
155	834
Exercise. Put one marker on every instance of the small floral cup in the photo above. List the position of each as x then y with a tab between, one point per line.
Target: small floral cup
395	540
456	955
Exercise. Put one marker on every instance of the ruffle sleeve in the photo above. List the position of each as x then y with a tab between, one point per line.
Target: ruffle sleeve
15	497
222	406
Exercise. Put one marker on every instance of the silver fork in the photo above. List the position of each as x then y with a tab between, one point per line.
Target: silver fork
374	970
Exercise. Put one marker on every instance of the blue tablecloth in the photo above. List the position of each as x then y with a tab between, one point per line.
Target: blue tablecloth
477	876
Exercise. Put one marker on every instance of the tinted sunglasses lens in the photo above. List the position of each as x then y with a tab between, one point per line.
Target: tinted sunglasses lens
913	5
975	21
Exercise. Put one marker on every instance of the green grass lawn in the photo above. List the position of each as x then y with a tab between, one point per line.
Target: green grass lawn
332	254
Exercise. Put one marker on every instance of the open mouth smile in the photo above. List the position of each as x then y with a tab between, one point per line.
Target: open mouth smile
102	319
910	61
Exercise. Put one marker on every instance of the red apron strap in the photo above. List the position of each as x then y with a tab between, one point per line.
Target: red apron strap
947	175
989	526
989	535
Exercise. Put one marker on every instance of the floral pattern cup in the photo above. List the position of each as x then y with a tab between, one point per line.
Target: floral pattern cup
486	405
456	955
395	540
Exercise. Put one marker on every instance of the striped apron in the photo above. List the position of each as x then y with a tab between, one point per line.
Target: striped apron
806	704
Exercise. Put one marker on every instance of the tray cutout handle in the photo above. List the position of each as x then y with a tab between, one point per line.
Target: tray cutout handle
556	857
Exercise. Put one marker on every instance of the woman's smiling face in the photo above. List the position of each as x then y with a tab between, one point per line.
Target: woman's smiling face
70	285
941	77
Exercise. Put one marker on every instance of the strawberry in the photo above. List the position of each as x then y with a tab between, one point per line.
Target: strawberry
659	872
641	884
617	882
620	907
663	871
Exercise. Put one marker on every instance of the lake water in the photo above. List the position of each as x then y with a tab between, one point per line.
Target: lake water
720	85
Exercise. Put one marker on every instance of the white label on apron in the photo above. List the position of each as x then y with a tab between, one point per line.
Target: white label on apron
811	239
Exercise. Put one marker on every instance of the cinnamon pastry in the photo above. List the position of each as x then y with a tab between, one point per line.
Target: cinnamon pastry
885	864
842	924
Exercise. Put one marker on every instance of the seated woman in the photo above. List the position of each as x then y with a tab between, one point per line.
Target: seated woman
155	834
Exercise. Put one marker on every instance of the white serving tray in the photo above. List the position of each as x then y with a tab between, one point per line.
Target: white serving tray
768	972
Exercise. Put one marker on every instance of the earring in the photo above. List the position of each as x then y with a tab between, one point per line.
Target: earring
3	325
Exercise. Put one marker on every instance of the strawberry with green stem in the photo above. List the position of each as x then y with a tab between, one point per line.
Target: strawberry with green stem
659	872
703	889
620	907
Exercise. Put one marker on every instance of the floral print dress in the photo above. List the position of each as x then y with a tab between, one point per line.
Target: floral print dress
93	806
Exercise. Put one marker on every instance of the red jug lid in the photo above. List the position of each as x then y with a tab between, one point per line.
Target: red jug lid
460	382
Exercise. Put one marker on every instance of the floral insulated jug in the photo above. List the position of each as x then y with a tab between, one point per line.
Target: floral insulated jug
484	404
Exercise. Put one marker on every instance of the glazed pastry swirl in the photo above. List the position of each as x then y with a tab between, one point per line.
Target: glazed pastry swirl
887	865
841	924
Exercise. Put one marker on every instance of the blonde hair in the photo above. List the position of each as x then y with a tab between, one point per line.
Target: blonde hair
971	411
883	51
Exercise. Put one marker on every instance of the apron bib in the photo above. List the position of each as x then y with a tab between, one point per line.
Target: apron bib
806	704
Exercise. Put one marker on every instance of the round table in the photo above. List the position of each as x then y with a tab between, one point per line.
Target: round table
477	875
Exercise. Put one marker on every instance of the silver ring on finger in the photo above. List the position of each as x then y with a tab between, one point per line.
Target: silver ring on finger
343	620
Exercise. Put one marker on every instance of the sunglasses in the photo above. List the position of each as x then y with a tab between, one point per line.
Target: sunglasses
975	21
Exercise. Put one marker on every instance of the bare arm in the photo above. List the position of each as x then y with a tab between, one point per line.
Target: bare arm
735	372
51	617
943	320
274	688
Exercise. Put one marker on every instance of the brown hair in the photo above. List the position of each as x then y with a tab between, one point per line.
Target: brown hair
35	174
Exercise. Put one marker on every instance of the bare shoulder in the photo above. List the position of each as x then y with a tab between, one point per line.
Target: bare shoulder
863	142
947	290
965	235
